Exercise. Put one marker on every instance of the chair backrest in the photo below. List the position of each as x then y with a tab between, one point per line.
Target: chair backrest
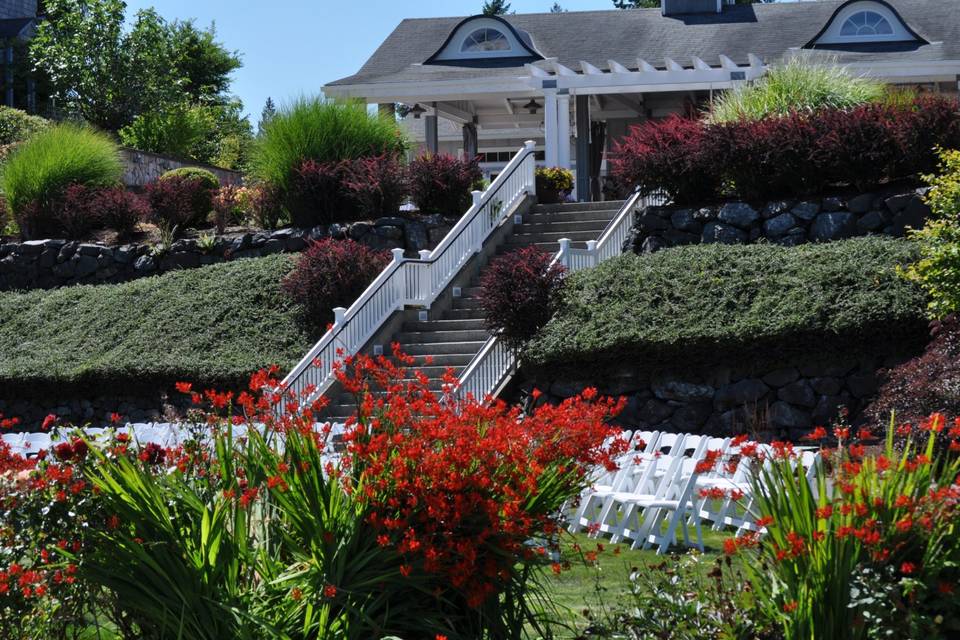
670	443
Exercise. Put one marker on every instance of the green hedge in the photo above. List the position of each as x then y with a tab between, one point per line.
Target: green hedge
740	305
213	325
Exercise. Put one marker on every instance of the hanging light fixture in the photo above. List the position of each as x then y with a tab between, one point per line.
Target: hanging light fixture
533	106
417	111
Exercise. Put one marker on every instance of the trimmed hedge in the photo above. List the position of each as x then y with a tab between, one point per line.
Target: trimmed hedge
759	304
214	325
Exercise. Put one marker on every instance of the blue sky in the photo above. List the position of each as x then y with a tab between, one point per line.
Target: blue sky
293	47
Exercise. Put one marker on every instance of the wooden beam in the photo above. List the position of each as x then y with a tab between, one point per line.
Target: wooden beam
589	69
616	67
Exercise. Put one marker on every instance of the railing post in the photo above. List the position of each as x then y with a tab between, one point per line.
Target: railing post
338	316
594	255
426	282
531	162
565	251
401	283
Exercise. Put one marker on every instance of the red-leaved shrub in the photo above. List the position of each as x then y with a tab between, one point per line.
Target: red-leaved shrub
332	273
377	184
180	201
318	194
82	209
793	155
441	183
668	155
929	383
519	293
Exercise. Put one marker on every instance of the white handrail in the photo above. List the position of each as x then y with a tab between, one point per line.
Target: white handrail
489	369
415	282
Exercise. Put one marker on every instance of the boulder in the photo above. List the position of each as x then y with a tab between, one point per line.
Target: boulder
723	233
806	210
899	202
779	225
828	408
798	393
781	377
833	226
785	415
650	223
680	238
705	214
359	230
870	221
827	386
745	391
775	208
654	412
862	385
832	203
145	264
861	203
652	244
913	216
691	417
739	214
682	391
84	265
683	220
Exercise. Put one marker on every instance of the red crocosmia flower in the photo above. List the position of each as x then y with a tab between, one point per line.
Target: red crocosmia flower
48	422
184	387
115	418
945	588
296	594
730	546
790	607
841	433
908	568
440	636
825	512
819	433
556	568
329	591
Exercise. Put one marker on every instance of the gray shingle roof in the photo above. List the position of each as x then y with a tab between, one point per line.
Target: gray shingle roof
14	27
767	30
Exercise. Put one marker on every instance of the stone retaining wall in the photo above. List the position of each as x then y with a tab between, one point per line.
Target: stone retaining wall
777	403
785	222
140	168
49	264
96	410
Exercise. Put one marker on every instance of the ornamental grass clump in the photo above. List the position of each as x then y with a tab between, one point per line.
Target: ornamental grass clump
250	528
795	86
869	548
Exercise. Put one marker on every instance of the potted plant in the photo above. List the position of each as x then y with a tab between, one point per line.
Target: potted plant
553	184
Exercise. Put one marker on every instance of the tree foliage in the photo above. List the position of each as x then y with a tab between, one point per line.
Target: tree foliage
495	7
655	4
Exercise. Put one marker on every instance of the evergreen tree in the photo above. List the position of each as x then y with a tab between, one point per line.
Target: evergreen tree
651	4
269	111
556	8
495	7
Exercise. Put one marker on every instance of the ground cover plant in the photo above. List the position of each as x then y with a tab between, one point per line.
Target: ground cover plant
213	324
795	154
420	530
703	303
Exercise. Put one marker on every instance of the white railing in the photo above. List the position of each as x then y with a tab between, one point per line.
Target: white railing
415	282
492	366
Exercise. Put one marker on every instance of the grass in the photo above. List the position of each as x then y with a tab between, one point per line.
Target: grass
756	304
212	325
315	129
796	86
55	158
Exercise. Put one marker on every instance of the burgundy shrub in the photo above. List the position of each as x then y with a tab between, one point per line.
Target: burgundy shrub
441	183
519	293
119	209
858	146
929	383
266	206
332	273
377	184
180	201
670	155
318	194
929	121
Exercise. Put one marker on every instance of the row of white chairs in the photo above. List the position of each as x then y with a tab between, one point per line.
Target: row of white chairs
658	489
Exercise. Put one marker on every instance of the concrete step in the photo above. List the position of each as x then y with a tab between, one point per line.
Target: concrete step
466	303
463	314
570	216
444	325
577	206
554	236
593	226
549	247
443	348
444	360
431	337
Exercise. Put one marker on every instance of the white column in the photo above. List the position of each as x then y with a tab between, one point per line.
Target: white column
563	130
550	126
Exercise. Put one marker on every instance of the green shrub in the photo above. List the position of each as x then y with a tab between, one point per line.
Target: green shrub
41	169
938	270
759	303
181	131
17	126
314	129
795	86
214	325
196	173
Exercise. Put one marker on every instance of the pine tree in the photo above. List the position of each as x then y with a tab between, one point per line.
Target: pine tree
495	7
556	8
269	111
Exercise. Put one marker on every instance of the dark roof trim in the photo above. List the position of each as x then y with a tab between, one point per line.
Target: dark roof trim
813	42
14	27
533	53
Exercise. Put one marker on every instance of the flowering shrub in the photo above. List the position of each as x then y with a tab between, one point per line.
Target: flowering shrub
556	178
377	184
872	523
519	293
441	183
794	154
230	205
418	529
180	201
332	273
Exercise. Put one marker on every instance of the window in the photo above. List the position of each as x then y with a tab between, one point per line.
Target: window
866	24
483	40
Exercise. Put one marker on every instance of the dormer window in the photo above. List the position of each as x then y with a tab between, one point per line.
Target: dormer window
865	21
483	40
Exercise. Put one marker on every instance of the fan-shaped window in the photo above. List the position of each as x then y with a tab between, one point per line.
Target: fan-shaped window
483	40
866	24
